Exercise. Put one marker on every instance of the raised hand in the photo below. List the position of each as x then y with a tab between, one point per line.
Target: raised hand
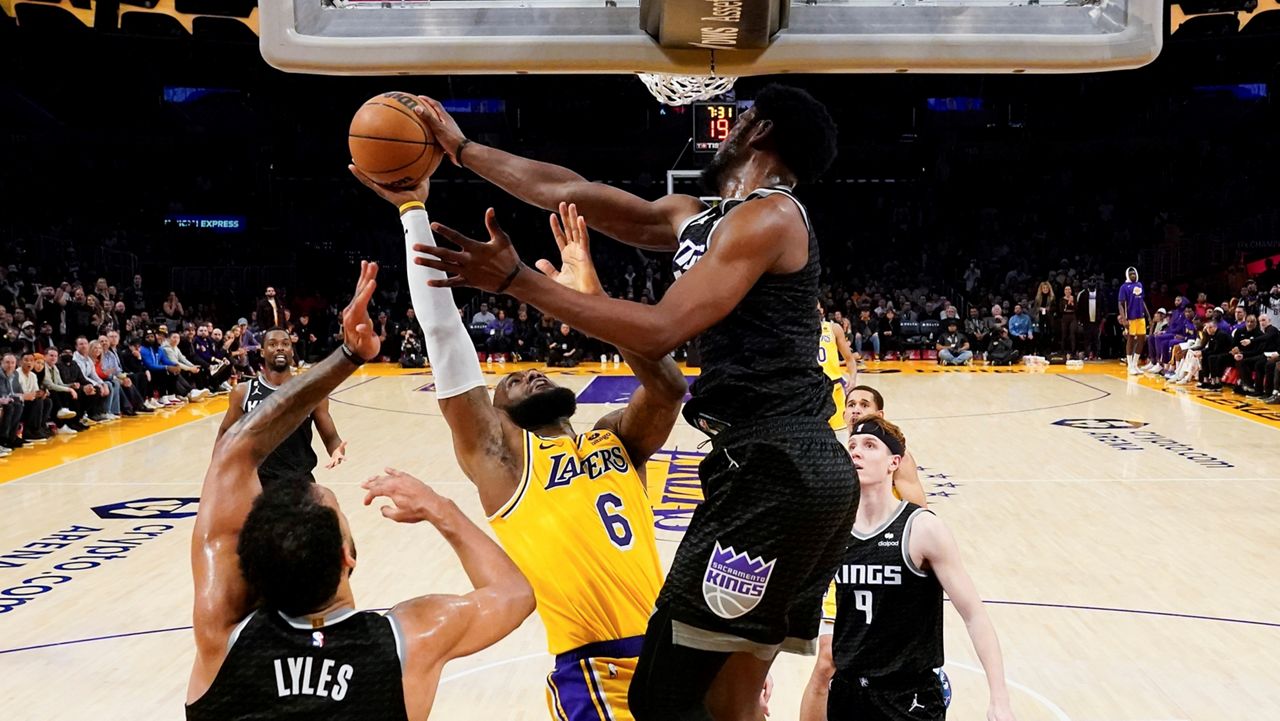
413	500
577	271
357	326
397	198
488	266
443	127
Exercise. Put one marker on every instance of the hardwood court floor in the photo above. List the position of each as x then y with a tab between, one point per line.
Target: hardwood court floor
1123	535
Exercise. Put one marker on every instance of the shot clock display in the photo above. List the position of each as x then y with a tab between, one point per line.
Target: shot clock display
711	123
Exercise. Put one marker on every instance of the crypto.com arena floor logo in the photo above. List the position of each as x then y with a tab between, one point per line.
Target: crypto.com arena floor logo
1100	424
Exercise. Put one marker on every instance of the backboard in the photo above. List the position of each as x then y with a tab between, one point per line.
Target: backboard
355	37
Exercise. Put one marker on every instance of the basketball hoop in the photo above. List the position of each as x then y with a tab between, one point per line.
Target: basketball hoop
685	89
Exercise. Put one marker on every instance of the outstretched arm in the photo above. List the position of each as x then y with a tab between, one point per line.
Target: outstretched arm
438	628
629	218
235	409
646	423
328	430
850	360
489	448
750	242
935	549
222	598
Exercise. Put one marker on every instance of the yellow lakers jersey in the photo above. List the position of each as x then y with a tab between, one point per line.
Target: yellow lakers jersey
829	359
828	353
580	528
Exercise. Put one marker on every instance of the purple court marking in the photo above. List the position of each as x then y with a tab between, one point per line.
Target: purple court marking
615	389
1032	604
1138	611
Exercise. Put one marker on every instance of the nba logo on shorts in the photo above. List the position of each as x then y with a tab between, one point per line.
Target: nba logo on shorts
734	582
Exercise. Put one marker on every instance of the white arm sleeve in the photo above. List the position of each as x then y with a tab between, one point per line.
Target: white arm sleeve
453	357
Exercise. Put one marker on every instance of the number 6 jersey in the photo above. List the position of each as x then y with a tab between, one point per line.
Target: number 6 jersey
887	612
580	528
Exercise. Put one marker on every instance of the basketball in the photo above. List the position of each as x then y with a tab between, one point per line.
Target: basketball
390	144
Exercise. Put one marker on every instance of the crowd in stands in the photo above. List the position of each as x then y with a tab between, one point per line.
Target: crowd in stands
73	355
1072	314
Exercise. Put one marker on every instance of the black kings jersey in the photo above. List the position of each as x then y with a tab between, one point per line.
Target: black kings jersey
760	361
348	669
294	458
888	612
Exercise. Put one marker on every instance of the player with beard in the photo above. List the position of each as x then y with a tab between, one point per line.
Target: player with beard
570	509
277	633
748	578
294	458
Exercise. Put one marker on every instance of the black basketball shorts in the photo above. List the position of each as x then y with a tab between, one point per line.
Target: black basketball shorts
781	496
905	697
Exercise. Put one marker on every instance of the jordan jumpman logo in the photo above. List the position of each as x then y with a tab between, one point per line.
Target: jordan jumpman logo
915	703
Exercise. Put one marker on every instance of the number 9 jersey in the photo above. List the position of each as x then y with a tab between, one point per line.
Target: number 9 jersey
580	528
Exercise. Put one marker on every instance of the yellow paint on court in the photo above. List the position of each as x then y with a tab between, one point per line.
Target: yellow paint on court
64	449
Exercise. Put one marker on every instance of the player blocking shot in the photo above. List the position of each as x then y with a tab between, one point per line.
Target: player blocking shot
885	614
748	578
570	508
276	627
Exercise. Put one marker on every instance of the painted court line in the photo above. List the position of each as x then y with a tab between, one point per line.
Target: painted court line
1032	604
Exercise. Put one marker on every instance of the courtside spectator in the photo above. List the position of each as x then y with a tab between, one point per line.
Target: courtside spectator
483	316
975	326
110	410
196	376
565	349
498	336
166	376
1001	352
37	406
63	397
90	403
11	400
890	334
866	332
1020	330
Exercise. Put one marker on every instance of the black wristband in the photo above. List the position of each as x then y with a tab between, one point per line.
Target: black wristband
351	355
457	154
510	277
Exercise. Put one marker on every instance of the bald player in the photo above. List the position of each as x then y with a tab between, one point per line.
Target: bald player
570	508
294	458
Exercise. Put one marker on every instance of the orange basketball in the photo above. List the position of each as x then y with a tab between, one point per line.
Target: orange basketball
391	144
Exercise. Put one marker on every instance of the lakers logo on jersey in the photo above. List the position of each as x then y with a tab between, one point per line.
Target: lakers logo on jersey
566	467
581	529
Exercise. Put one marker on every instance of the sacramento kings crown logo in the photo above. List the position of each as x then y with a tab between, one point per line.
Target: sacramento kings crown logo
734	582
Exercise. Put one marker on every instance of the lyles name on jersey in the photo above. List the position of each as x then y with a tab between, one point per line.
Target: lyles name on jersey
859	574
302	678
565	468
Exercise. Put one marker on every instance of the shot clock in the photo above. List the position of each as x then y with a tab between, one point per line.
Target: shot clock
711	124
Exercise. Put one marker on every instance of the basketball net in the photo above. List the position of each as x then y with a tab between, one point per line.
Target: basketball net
685	89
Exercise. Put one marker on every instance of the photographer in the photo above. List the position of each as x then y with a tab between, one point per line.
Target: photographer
953	346
1002	352
411	351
